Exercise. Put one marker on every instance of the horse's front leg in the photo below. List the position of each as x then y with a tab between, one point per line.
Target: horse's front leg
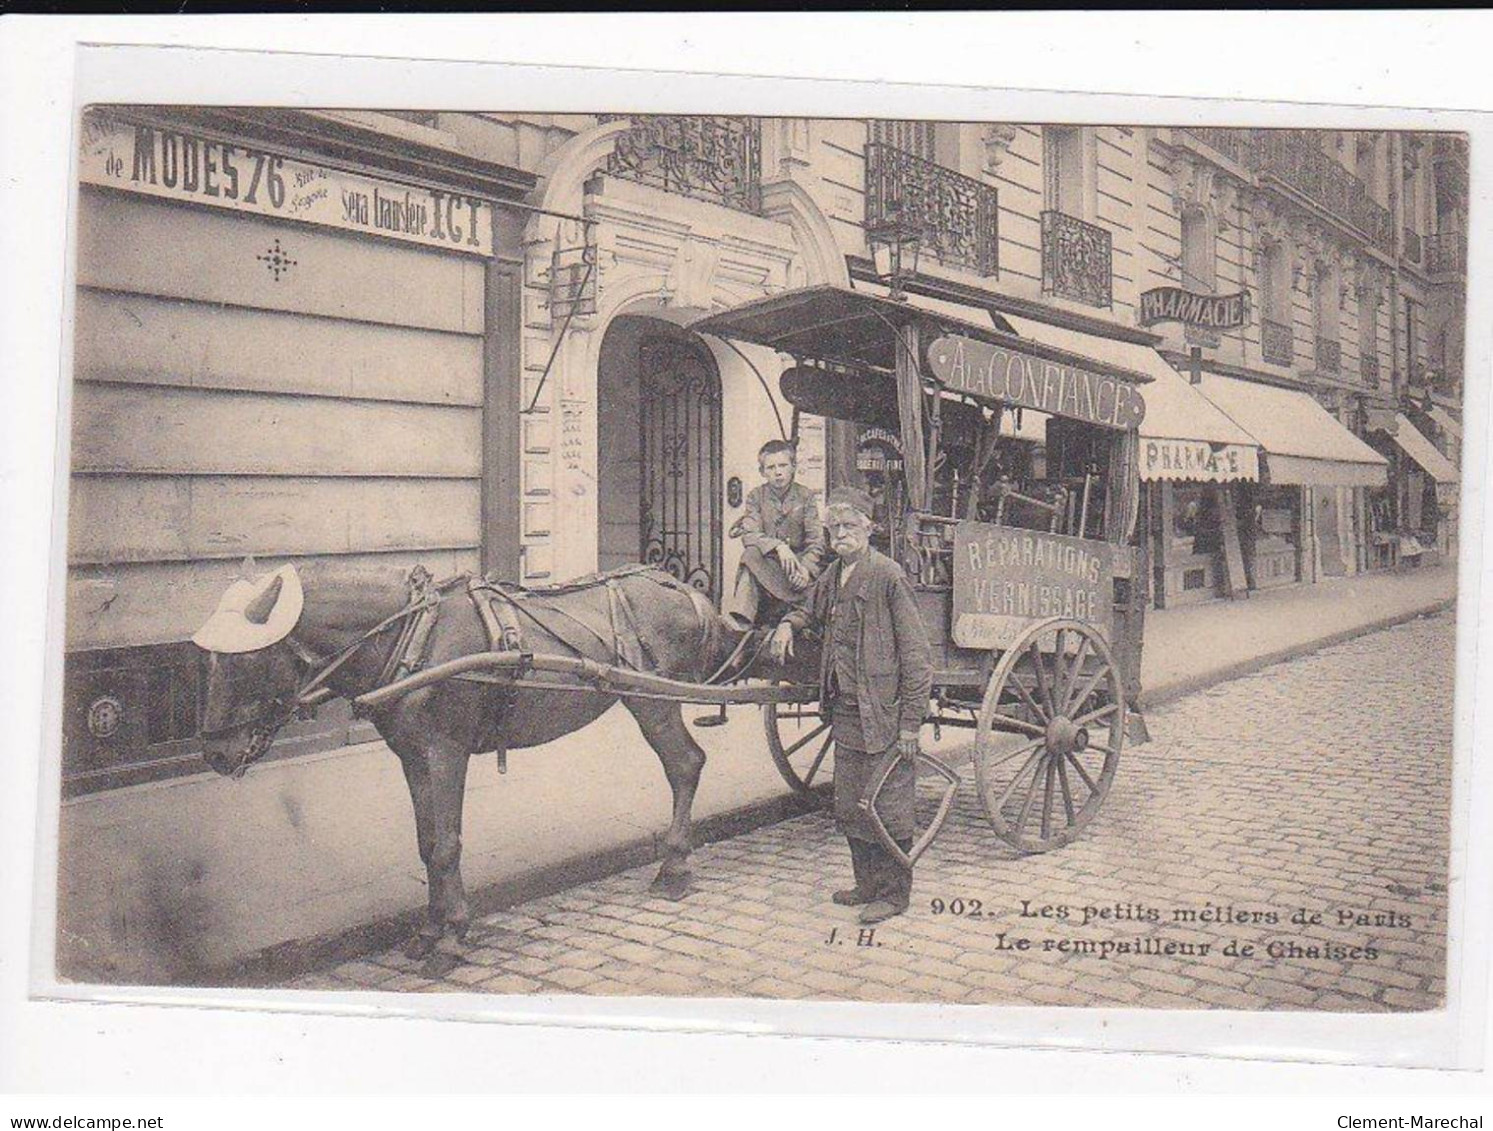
663	726
417	777
437	776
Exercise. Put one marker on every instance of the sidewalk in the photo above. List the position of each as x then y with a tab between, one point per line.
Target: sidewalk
309	860
1199	645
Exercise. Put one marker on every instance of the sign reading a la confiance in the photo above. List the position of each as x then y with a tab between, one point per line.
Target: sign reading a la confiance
178	165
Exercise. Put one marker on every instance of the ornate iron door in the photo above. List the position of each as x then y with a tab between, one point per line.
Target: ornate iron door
680	520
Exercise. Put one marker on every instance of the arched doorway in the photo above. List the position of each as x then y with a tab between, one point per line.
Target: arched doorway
659	452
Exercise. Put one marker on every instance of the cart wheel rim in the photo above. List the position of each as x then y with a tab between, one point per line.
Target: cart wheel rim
801	743
1049	735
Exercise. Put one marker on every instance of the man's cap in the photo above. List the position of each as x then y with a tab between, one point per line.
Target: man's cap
254	614
854	498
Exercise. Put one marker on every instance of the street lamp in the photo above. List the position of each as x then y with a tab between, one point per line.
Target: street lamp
894	241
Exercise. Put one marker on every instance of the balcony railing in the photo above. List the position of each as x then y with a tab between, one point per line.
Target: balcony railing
1412	245
1277	342
709	158
1444	253
1077	260
1329	355
1233	144
956	217
1368	369
1296	159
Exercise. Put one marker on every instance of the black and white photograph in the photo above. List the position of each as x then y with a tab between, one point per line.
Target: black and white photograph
594	552
727	556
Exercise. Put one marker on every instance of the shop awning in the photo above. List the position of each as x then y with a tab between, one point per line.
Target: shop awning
1303	444
1445	421
1409	439
1184	435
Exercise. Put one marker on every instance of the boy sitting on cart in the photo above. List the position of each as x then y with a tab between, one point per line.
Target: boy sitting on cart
782	539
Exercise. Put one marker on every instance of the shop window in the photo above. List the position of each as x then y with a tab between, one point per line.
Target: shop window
1194	579
1195	525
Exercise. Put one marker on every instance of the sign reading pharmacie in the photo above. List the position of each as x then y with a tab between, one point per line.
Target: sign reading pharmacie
1004	373
1005	578
1176	304
1197	461
178	165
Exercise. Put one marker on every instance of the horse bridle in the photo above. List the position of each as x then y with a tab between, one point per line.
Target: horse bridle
312	692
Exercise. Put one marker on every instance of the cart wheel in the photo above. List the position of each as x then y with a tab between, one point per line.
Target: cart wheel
801	744
1049	735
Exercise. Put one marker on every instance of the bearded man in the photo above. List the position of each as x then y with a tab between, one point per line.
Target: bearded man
875	678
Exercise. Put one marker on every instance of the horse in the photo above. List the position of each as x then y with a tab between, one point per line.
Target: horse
352	630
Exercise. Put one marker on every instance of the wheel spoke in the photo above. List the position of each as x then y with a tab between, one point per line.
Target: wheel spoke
1075	669
1024	748
1088	688
1011	785
805	740
1095	715
1047	799
818	761
1026	805
1083	773
1062	764
1006	722
1059	669
1036	654
1026	697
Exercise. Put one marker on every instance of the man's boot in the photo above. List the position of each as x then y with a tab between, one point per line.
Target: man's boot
863	864
893	886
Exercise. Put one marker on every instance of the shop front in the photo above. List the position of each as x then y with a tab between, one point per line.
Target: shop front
1287	521
1193	458
1415	518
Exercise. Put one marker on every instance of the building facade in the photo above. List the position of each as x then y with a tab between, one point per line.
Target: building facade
464	340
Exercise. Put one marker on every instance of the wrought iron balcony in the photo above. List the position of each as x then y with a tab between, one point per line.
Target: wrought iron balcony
1444	253
956	217
1277	342
1329	355
1077	260
708	158
1297	160
1412	245
1233	144
1368	369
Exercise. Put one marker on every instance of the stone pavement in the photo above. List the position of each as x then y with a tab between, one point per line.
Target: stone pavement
1316	790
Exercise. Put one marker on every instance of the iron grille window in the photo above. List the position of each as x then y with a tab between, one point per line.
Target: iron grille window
1277	342
1076	260
717	159
916	138
956	217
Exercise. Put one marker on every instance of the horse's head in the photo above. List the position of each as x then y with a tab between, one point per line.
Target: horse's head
253	673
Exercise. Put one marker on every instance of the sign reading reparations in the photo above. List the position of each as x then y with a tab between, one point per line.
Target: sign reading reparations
1005	578
1174	304
1000	373
180	166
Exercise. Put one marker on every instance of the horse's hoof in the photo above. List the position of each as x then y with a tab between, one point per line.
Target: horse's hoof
673	888
421	945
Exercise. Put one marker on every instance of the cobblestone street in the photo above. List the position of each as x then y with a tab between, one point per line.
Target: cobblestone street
1280	844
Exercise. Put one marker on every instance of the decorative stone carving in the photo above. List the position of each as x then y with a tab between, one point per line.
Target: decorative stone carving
998	139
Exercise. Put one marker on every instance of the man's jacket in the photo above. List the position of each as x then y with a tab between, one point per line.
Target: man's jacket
893	661
794	519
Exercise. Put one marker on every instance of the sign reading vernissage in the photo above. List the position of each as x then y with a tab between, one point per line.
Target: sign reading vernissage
1196	460
1012	376
1176	304
178	165
1005	578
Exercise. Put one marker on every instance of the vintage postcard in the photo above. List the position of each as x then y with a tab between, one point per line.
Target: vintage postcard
688	555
